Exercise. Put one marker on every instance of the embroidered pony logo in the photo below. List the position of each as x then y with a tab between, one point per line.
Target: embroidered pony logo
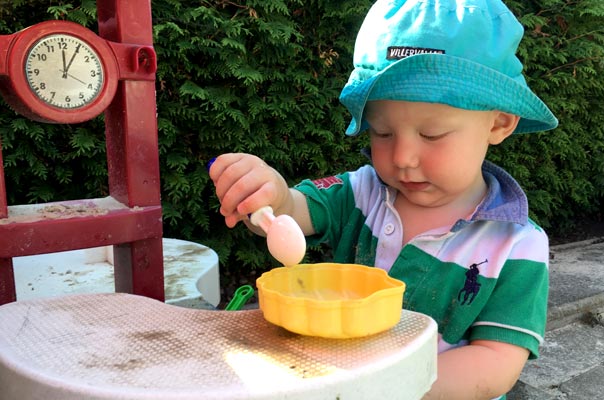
326	183
471	286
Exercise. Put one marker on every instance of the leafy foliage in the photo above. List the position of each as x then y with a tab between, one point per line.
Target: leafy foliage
563	54
263	76
256	76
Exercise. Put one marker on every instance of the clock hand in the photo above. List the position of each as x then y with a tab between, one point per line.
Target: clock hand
64	65
77	79
67	74
77	50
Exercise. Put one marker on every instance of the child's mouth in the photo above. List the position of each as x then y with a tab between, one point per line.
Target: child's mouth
415	186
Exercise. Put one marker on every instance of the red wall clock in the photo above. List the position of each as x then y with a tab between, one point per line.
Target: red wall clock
62	72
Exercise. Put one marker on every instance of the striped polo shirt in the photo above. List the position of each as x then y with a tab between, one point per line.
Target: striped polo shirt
482	278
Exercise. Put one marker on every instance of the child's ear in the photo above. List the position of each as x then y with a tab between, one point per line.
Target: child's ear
504	125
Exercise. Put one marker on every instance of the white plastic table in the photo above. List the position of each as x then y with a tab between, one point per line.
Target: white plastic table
122	346
191	271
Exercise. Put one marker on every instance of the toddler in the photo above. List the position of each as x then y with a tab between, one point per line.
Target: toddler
435	83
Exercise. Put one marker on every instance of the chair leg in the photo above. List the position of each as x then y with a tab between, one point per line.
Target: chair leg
138	268
8	293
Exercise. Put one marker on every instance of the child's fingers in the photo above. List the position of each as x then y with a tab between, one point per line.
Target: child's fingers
264	195
249	193
233	219
225	172
239	179
217	166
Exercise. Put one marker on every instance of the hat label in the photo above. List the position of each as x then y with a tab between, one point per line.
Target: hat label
400	52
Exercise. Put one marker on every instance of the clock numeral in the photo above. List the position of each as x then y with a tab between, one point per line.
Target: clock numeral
42	85
93	73
41	57
52	95
81	96
67	99
62	46
36	71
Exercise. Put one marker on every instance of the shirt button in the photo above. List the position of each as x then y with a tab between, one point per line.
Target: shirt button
389	229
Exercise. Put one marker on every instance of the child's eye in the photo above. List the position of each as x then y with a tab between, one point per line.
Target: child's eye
380	135
432	137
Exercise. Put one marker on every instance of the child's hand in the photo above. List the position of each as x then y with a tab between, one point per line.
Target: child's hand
244	183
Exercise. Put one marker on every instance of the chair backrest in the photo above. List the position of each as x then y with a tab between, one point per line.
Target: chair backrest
130	217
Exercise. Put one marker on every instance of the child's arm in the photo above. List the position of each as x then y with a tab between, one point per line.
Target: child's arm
484	369
244	183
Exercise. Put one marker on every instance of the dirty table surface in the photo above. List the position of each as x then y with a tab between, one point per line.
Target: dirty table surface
122	346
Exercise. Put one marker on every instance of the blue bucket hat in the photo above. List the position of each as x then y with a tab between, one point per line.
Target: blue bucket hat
456	52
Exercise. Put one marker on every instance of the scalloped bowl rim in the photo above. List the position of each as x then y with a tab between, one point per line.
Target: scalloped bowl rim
391	293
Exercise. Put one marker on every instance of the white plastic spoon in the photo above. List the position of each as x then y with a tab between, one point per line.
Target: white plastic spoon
284	238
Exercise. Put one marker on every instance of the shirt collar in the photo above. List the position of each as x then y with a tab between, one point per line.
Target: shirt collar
505	200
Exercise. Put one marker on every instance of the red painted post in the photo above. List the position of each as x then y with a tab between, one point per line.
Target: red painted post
7	277
132	148
3	201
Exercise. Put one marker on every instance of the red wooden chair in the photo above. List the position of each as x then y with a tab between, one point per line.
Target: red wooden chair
130	218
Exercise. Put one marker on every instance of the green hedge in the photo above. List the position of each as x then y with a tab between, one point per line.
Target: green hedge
263	76
562	171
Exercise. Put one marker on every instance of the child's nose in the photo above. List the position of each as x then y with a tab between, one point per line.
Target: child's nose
405	153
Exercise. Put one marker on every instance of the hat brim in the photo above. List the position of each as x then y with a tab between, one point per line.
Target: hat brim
445	79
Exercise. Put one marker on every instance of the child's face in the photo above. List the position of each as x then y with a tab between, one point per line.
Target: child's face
431	153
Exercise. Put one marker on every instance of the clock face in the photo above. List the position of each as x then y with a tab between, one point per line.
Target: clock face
64	71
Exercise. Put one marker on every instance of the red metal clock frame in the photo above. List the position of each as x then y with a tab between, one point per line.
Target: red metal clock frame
118	60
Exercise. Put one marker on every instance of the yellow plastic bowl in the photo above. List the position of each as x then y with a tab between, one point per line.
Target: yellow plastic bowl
331	300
